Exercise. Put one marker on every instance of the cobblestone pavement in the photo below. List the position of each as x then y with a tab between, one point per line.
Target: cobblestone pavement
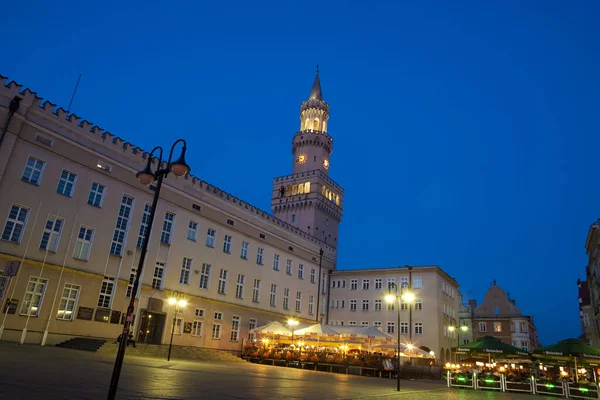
33	372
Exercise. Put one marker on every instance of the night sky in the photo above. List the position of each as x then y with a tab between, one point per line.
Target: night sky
465	135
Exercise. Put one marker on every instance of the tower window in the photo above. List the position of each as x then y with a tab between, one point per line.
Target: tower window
315	159
316	124
301	188
307	124
294	190
293	217
307	187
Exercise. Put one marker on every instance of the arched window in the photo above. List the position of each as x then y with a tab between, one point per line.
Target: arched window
323	190
337	200
324	126
307	124
288	190
316	124
294	190
301	188
307	187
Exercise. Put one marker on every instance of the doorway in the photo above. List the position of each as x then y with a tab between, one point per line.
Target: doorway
151	327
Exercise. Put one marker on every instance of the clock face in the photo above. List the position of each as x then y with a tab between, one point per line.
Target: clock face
301	159
326	163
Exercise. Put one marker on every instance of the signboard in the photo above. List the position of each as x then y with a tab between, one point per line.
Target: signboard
11	268
102	315
85	313
155	305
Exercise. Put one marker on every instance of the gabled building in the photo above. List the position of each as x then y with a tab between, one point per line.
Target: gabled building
499	316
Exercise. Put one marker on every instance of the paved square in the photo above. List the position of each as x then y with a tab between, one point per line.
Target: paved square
33	372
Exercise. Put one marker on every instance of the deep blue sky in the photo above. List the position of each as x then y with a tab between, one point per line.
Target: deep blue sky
466	135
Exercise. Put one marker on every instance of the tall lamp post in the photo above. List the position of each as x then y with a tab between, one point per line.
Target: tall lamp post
391	298
453	328
292	323
179	168
178	305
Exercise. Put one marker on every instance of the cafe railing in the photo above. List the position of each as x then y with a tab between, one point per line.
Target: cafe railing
582	390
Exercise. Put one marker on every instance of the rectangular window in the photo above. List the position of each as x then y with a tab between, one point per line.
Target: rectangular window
235	329
586	320
204	276
418	305
378	283
186	268
352	305
391	306
403	282
293	217
403	305
288	267
33	170
354	284
298	302
418	328
417	282
365	284
523	327
273	296
256	291
15	224
482	327
313	275
244	252
365	305
276	262
132	275
311	305
144	225
259	255
106	292
178	326
197	328
104	166
34	294
68	302
51	234
324	283
66	183
377	305
96	194
497	327
211	235
192	230
200	312
118	241
352	323
227	244
167	229
364	323
230	222
84	243
525	345
404	328
377	323
252	324
286	298
391	327
218	316
221	289
196	207
216	332
157	278
300	271
239	288
390	282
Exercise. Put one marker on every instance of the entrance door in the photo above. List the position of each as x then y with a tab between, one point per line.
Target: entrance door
151	327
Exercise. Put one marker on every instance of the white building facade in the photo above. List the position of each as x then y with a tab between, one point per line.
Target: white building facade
357	297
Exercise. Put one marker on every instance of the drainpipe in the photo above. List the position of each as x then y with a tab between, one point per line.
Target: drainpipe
328	293
320	278
12	109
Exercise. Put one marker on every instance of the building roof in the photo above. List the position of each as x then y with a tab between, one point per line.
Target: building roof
315	93
387	270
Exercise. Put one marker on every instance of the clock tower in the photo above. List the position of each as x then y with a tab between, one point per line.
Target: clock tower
308	198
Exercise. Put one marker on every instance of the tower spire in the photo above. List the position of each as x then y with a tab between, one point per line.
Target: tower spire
315	93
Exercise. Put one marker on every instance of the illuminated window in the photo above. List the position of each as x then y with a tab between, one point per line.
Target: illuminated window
307	187
497	327
316	124
294	190
301	189
307	124
288	190
324	126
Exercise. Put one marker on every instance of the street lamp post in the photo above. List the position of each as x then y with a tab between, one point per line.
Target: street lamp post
178	305
453	328
179	168
398	297
292	323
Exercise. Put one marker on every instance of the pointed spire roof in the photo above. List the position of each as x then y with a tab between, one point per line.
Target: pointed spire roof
315	93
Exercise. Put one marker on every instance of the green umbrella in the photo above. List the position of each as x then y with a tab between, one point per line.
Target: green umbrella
490	345
568	349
